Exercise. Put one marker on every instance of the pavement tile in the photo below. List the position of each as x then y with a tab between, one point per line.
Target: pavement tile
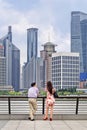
43	125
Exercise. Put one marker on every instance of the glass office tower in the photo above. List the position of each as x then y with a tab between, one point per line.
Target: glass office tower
32	34
15	68
7	43
12	57
79	37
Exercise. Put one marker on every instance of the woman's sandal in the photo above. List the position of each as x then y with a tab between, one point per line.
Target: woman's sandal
50	119
45	118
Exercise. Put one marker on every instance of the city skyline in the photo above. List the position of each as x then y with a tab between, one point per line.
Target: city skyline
47	15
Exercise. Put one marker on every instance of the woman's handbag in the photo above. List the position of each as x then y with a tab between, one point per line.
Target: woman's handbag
55	94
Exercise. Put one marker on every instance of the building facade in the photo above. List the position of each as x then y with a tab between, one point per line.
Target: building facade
8	55
29	70
32	48
46	55
40	72
65	70
10	58
1	50
79	37
29	75
2	67
15	68
32	43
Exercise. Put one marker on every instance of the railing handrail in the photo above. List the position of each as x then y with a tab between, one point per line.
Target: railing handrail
9	97
22	96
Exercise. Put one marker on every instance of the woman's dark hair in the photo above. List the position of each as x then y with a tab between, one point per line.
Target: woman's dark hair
33	84
49	87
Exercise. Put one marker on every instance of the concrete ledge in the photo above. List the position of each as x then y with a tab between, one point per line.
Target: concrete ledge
40	117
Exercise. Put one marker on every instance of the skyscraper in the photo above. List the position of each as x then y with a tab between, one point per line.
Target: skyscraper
32	41
46	55
32	47
79	37
12	60
15	67
7	43
30	68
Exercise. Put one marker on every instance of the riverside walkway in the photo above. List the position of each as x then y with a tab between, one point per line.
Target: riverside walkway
43	125
70	113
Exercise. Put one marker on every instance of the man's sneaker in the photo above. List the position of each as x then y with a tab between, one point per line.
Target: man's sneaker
29	118
32	119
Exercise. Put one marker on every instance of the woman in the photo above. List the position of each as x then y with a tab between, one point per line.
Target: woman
49	100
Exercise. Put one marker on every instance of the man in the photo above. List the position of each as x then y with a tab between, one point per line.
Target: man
32	95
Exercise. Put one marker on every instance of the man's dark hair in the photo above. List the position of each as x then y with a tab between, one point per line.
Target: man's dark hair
33	84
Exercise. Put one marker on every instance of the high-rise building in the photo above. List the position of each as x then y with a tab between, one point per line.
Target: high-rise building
11	59
32	47
46	55
32	41
8	55
2	67
79	37
6	41
65	70
15	67
29	75
30	68
40	72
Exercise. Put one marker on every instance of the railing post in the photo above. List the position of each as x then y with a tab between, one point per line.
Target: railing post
77	103
43	105
9	106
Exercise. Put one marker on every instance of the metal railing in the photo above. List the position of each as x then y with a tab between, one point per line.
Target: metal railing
63	104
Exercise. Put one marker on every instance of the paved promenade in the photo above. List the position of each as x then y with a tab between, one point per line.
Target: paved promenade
43	125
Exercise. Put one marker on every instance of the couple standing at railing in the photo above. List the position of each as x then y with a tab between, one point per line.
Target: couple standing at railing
33	92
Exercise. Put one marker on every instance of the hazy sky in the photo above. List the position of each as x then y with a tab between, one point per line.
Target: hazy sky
49	16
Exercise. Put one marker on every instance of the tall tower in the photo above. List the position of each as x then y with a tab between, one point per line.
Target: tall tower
46	55
49	47
32	34
30	68
12	59
79	37
15	67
